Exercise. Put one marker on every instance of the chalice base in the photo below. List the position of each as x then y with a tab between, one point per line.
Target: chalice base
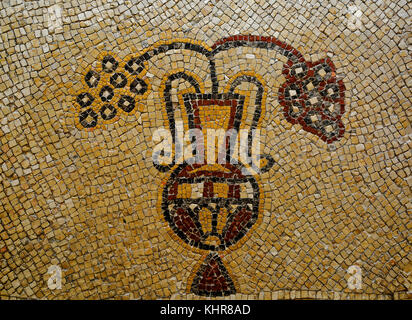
212	278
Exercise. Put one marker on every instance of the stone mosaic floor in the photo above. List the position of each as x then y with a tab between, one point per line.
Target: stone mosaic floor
84	87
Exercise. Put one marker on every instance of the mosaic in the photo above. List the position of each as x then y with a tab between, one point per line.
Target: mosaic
109	188
213	206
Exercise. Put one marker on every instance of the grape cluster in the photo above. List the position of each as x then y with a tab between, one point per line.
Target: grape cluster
110	91
314	98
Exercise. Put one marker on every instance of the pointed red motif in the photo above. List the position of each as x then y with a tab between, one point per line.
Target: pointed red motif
212	278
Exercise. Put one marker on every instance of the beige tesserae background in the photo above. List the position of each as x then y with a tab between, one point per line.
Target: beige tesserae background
86	213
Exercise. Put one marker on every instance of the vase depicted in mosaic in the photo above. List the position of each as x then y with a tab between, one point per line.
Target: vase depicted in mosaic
212	206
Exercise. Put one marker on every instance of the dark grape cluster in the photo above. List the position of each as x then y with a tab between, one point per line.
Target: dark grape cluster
119	92
314	98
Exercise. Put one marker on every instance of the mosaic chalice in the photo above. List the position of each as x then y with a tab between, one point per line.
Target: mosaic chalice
212	206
